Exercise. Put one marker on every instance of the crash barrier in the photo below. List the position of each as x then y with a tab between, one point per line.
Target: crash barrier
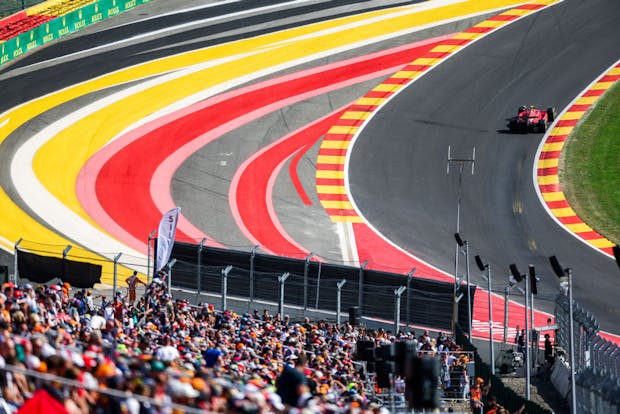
597	360
63	25
506	396
315	284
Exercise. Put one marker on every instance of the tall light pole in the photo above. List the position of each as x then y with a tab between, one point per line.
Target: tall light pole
562	273
461	162
485	266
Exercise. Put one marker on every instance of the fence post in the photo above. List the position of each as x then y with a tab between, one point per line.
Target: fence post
170	264
360	288
306	264
252	255
115	283
397	293
318	287
15	271
148	257
281	280
339	285
199	270
225	286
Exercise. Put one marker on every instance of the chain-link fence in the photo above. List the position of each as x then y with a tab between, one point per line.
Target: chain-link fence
314	284
597	360
8	7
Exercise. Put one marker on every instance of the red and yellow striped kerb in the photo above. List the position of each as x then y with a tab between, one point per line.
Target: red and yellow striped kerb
330	183
547	167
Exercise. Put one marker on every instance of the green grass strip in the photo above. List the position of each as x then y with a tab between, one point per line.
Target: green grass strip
590	167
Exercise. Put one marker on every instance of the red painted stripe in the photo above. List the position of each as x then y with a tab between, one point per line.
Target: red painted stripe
558	204
333	151
349	122
566	123
338	137
364	108
341	212
590	235
333	197
530	6
556	138
543	172
416	68
456	42
579	108
594	92
503	17
330	181
330	167
570	220
476	29
610	78
378	94
292	172
549	155
550	188
122	175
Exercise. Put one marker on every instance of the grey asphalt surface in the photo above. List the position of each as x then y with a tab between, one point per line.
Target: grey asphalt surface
545	59
398	166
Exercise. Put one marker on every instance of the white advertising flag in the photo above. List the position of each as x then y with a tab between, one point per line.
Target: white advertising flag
165	237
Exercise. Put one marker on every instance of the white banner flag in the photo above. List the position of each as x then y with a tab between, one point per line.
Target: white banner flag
165	237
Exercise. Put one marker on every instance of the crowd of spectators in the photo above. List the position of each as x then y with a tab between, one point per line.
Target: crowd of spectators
162	352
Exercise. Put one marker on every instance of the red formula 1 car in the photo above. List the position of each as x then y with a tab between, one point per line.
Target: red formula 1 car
531	119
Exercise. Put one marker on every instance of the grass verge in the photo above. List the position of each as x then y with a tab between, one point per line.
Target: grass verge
590	167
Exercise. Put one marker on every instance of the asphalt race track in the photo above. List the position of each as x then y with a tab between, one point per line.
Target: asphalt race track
397	170
398	166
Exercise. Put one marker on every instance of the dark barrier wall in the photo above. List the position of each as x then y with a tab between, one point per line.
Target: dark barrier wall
42	269
429	303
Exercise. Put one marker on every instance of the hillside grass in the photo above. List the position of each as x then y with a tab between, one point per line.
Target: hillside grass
590	167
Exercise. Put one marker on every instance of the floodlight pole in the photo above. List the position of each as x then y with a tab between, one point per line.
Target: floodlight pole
306	265
360	288
527	339
571	327
488	266
461	162
15	263
252	256
397	294
339	286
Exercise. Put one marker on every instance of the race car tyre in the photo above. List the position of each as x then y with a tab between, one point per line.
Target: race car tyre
523	128
542	126
551	114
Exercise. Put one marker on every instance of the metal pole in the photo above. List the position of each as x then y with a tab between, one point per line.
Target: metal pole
506	293
527	339
397	293
252	255
170	264
281	280
468	291
491	344
360	289
306	265
199	270
15	268
148	257
115	283
534	351
64	257
339	285
225	287
409	277
573	389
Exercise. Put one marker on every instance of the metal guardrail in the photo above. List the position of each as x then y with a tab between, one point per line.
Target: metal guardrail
597	360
